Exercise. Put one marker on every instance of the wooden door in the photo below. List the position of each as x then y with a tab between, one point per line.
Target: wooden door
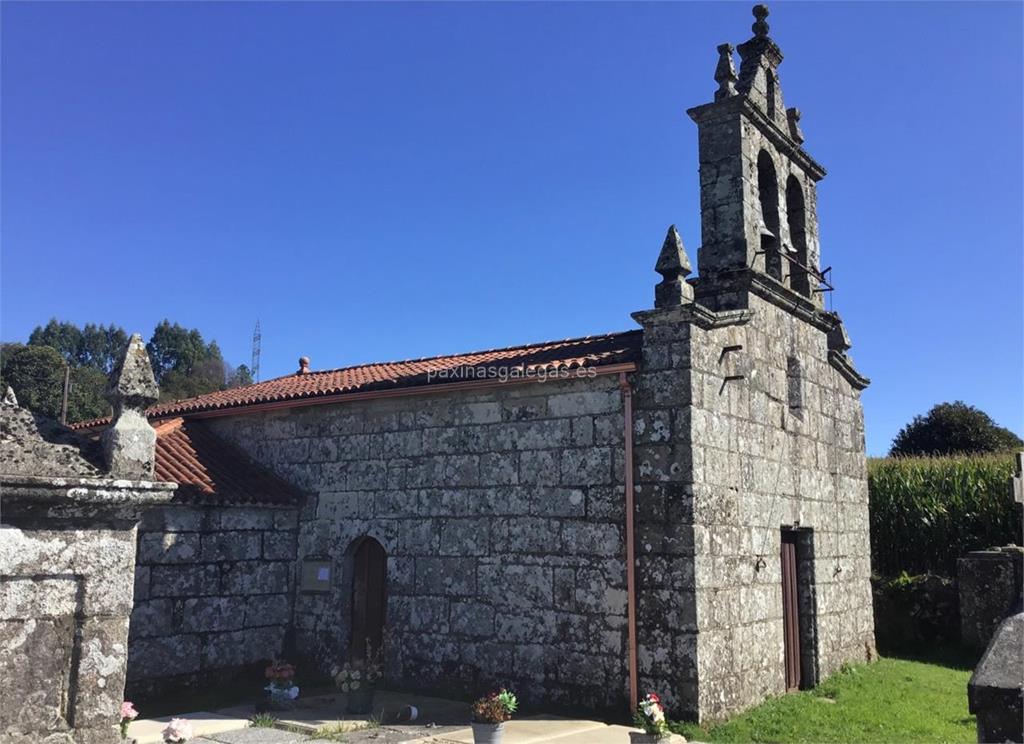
369	599
790	609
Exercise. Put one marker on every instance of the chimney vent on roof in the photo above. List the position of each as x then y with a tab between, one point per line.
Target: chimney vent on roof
303	366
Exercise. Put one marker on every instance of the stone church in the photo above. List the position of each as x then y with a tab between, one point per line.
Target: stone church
679	508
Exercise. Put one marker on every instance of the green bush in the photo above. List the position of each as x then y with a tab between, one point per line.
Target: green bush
927	512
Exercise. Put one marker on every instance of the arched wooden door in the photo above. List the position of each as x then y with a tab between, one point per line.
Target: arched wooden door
369	598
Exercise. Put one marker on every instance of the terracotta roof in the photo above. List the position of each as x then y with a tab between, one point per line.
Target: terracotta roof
209	470
570	354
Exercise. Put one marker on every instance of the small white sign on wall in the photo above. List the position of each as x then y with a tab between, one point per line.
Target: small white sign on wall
316	575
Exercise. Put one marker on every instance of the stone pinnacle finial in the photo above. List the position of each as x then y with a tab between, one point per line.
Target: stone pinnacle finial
674	266
795	132
760	27
10	399
132	384
725	73
129	443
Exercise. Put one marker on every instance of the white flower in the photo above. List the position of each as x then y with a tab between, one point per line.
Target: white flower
293	692
177	731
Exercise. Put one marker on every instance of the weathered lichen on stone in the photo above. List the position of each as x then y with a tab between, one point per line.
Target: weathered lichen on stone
795	132
995	693
67	554
37	446
725	73
129	443
674	266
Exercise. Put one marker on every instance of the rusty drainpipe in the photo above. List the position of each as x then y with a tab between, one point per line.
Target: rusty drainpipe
627	414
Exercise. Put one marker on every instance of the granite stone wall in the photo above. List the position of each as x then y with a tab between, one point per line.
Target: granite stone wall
67	548
743	427
213	595
990	584
502	516
770	451
64	607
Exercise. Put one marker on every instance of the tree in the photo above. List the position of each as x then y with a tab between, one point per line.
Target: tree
240	376
36	373
102	346
63	337
95	346
184	364
950	428
85	399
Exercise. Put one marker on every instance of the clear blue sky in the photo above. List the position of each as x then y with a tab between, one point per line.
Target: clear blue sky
382	181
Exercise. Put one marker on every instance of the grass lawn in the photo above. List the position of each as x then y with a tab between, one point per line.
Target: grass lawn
891	700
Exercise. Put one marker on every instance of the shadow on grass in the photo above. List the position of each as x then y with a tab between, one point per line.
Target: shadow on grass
953	656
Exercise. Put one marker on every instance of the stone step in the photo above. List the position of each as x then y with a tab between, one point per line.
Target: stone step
147	730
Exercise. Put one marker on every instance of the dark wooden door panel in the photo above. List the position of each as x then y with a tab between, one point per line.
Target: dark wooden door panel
790	610
369	599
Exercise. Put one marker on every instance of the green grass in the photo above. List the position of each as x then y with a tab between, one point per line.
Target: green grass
338	731
891	700
262	720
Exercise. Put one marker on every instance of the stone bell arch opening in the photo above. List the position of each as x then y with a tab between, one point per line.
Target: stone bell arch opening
796	217
369	599
768	192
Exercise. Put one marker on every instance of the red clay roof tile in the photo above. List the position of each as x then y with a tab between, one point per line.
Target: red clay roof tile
209	470
570	354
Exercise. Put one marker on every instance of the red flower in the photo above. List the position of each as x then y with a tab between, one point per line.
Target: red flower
654	697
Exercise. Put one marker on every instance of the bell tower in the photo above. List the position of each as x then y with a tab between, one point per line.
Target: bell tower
757	184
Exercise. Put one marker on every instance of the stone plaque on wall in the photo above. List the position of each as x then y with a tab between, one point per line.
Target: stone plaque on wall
316	575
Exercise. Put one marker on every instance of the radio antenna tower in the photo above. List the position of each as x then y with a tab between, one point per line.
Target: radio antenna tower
256	338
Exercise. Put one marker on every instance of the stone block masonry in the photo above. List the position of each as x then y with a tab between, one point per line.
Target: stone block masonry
213	595
501	514
990	584
763	459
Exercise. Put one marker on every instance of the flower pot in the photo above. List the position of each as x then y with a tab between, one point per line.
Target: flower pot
488	733
360	701
281	699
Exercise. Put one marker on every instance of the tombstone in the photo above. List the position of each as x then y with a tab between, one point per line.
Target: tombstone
996	688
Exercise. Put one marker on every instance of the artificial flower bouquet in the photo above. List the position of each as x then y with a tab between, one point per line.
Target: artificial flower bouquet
281	687
650	716
356	676
359	680
128	714
179	730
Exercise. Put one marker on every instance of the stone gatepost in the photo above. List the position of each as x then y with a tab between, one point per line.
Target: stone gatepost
68	518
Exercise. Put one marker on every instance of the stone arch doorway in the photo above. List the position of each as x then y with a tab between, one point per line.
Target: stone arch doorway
369	598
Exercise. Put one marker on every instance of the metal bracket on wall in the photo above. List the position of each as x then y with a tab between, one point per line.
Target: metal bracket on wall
721	357
728	349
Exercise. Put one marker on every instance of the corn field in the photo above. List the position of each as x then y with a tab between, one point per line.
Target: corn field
927	512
